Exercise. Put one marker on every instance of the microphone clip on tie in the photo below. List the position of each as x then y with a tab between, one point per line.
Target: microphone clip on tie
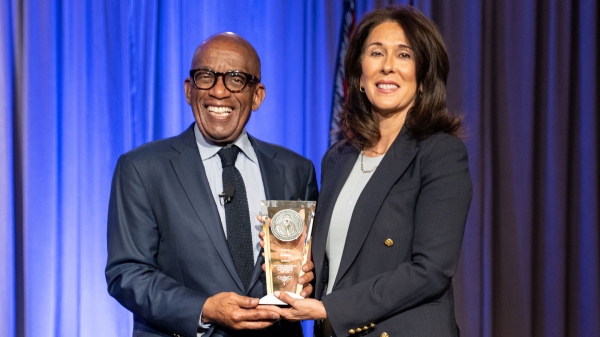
227	194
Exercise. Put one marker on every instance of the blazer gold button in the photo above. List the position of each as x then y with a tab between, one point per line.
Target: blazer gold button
351	331
365	328
372	325
384	334
359	330
389	243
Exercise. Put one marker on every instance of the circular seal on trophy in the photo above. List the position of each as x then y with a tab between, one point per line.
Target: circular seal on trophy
287	225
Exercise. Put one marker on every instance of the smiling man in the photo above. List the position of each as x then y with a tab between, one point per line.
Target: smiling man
183	247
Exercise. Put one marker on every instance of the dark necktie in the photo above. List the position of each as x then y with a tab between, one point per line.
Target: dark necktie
237	218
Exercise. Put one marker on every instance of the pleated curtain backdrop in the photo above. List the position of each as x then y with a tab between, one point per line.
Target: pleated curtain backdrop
81	82
525	75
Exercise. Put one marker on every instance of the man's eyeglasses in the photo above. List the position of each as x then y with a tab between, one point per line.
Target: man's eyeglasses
235	81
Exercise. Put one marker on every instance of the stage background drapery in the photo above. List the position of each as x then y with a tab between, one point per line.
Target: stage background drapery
81	82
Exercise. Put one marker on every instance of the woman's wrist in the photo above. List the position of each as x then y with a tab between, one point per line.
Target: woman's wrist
322	313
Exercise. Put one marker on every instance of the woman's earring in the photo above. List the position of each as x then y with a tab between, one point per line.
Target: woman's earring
361	89
420	94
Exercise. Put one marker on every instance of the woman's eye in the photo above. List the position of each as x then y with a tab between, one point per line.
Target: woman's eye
404	55
375	53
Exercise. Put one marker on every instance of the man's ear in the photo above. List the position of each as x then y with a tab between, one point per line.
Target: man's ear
187	87
259	96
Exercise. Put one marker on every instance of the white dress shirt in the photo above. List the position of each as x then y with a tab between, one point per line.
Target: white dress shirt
247	164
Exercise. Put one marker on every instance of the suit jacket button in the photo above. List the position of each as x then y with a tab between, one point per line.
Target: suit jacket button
359	330
388	242
372	325
351	331
365	328
384	334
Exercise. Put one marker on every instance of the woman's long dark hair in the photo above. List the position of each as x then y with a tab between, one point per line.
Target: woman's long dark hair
429	114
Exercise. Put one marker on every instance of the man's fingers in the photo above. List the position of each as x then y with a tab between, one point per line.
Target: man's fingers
245	302
273	309
306	278
265	315
257	325
256	315
253	324
262	313
308	266
282	295
238	312
306	291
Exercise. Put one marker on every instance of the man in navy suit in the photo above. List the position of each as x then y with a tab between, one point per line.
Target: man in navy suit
168	256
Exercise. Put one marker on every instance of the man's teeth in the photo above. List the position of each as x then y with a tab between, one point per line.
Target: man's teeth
387	86
219	109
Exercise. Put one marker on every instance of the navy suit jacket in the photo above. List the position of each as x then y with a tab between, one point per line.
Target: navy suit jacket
167	251
403	241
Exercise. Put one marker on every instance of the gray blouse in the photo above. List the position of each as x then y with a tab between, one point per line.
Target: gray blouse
342	212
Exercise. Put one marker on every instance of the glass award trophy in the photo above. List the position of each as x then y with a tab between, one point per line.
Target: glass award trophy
288	229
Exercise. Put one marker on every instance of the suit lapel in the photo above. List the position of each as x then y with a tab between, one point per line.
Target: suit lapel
273	173
192	177
273	177
391	168
340	164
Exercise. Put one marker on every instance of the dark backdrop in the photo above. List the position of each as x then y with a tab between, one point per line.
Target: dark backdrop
83	81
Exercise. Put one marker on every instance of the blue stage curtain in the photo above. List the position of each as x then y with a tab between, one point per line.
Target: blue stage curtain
84	81
81	82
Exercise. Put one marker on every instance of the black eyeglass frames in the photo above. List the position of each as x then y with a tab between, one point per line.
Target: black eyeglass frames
235	81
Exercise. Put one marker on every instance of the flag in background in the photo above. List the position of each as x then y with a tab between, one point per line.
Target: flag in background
339	85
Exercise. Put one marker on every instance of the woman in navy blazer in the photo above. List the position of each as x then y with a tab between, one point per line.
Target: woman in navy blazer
395	191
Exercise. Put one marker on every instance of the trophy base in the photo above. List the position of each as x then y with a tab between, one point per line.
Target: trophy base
272	300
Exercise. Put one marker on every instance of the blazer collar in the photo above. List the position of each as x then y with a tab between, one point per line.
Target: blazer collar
192	177
392	167
273	177
272	172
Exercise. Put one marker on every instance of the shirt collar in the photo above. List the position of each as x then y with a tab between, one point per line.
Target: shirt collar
208	150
